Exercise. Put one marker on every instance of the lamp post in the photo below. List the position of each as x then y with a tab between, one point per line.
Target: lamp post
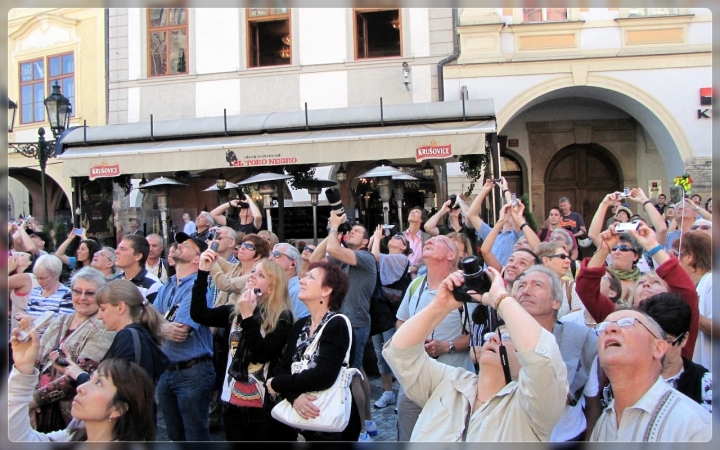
384	175
314	188
59	110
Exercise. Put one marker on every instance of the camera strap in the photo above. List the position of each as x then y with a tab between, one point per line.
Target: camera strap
505	363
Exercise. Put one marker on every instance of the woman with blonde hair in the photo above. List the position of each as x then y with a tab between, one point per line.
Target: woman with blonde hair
555	257
232	277
258	325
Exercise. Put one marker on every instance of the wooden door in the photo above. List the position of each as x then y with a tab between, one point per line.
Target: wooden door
583	174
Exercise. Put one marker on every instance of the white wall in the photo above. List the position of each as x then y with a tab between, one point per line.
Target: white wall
212	96
135	40
679	92
421	83
324	90
419	32
323	35
599	38
133	103
217	40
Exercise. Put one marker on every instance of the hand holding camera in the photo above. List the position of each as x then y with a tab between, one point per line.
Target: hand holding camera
475	279
335	200
645	237
625	193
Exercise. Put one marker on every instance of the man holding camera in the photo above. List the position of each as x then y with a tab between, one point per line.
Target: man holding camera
519	393
203	222
360	266
249	217
448	340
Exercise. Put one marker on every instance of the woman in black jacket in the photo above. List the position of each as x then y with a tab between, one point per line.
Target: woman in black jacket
322	291
258	327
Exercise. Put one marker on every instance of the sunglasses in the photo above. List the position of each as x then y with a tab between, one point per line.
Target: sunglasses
562	256
308	249
504	336
700	227
248	245
276	254
623	248
400	237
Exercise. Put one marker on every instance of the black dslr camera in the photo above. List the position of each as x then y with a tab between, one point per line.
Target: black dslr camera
333	196
475	280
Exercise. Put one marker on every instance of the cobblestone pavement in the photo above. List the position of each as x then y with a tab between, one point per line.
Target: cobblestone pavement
384	418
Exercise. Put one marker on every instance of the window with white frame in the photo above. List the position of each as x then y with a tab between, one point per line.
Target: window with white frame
167	41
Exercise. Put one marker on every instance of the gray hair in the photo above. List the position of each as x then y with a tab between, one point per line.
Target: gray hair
564	199
160	238
630	239
231	233
556	290
110	253
291	252
206	215
91	275
48	263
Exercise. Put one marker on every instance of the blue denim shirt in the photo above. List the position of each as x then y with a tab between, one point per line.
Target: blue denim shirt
299	308
504	242
199	342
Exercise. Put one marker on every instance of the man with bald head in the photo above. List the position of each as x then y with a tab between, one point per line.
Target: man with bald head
631	348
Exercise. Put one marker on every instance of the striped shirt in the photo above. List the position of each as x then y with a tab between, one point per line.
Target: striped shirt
661	415
60	302
147	283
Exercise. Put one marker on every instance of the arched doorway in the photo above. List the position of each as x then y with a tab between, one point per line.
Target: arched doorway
583	173
512	171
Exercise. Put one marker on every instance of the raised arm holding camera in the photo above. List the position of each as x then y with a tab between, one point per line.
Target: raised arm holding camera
249	216
520	393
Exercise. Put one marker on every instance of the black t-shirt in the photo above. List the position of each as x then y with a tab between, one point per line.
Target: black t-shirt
237	226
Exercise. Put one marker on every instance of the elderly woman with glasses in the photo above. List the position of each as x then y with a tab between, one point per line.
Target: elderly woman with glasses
555	257
232	277
394	279
83	337
50	294
668	276
104	261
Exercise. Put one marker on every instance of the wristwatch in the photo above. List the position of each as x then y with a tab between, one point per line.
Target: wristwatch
452	347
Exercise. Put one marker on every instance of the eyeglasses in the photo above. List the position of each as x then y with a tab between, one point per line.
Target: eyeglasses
186	245
700	227
622	323
678	339
400	237
623	248
308	249
435	240
562	256
79	293
504	336
39	278
277	254
248	245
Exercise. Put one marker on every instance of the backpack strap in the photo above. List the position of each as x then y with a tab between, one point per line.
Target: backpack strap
415	284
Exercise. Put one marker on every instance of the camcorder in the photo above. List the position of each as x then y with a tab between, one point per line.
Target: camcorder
333	196
475	280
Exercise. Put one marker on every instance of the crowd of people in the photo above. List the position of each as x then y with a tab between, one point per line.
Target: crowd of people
579	333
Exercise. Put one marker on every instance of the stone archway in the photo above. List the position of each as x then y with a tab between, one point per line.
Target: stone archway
584	173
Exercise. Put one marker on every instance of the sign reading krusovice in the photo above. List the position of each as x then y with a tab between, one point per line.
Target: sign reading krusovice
433	151
104	171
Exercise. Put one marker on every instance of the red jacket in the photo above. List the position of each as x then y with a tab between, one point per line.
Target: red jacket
587	286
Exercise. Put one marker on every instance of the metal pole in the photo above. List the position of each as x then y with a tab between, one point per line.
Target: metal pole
315	223
281	210
42	156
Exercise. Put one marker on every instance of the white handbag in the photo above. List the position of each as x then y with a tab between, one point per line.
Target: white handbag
334	403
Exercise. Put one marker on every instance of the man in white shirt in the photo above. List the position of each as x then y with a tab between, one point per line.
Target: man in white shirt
189	227
631	347
156	264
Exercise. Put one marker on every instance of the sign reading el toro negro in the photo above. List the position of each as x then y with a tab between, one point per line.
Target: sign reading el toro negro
433	151
258	160
104	171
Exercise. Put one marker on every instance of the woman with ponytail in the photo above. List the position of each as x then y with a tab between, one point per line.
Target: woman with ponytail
124	310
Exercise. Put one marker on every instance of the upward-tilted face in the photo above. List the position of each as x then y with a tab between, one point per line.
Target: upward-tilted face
94	399
534	293
628	339
259	279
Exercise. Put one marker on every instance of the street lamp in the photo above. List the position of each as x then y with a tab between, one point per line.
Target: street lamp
59	110
12	109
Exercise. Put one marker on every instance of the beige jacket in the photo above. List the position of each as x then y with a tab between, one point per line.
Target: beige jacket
228	277
524	410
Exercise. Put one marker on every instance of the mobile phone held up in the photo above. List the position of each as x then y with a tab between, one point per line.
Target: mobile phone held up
40	322
214	246
78	231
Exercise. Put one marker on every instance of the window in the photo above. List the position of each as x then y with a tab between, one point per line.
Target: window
167	41
34	80
268	37
641	12
377	34
544	14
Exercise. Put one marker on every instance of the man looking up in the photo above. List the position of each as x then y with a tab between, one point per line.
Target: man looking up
631	347
189	227
203	222
360	266
288	257
185	388
249	218
685	216
130	257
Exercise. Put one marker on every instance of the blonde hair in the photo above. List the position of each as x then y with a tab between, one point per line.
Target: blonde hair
278	299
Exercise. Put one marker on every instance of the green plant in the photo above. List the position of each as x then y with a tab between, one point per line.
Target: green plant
300	173
474	166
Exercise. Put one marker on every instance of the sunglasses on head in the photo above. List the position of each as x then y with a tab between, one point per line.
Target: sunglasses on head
248	245
700	227
399	236
562	256
623	248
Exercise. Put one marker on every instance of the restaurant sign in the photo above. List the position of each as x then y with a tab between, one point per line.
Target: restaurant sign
258	160
104	171
433	151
